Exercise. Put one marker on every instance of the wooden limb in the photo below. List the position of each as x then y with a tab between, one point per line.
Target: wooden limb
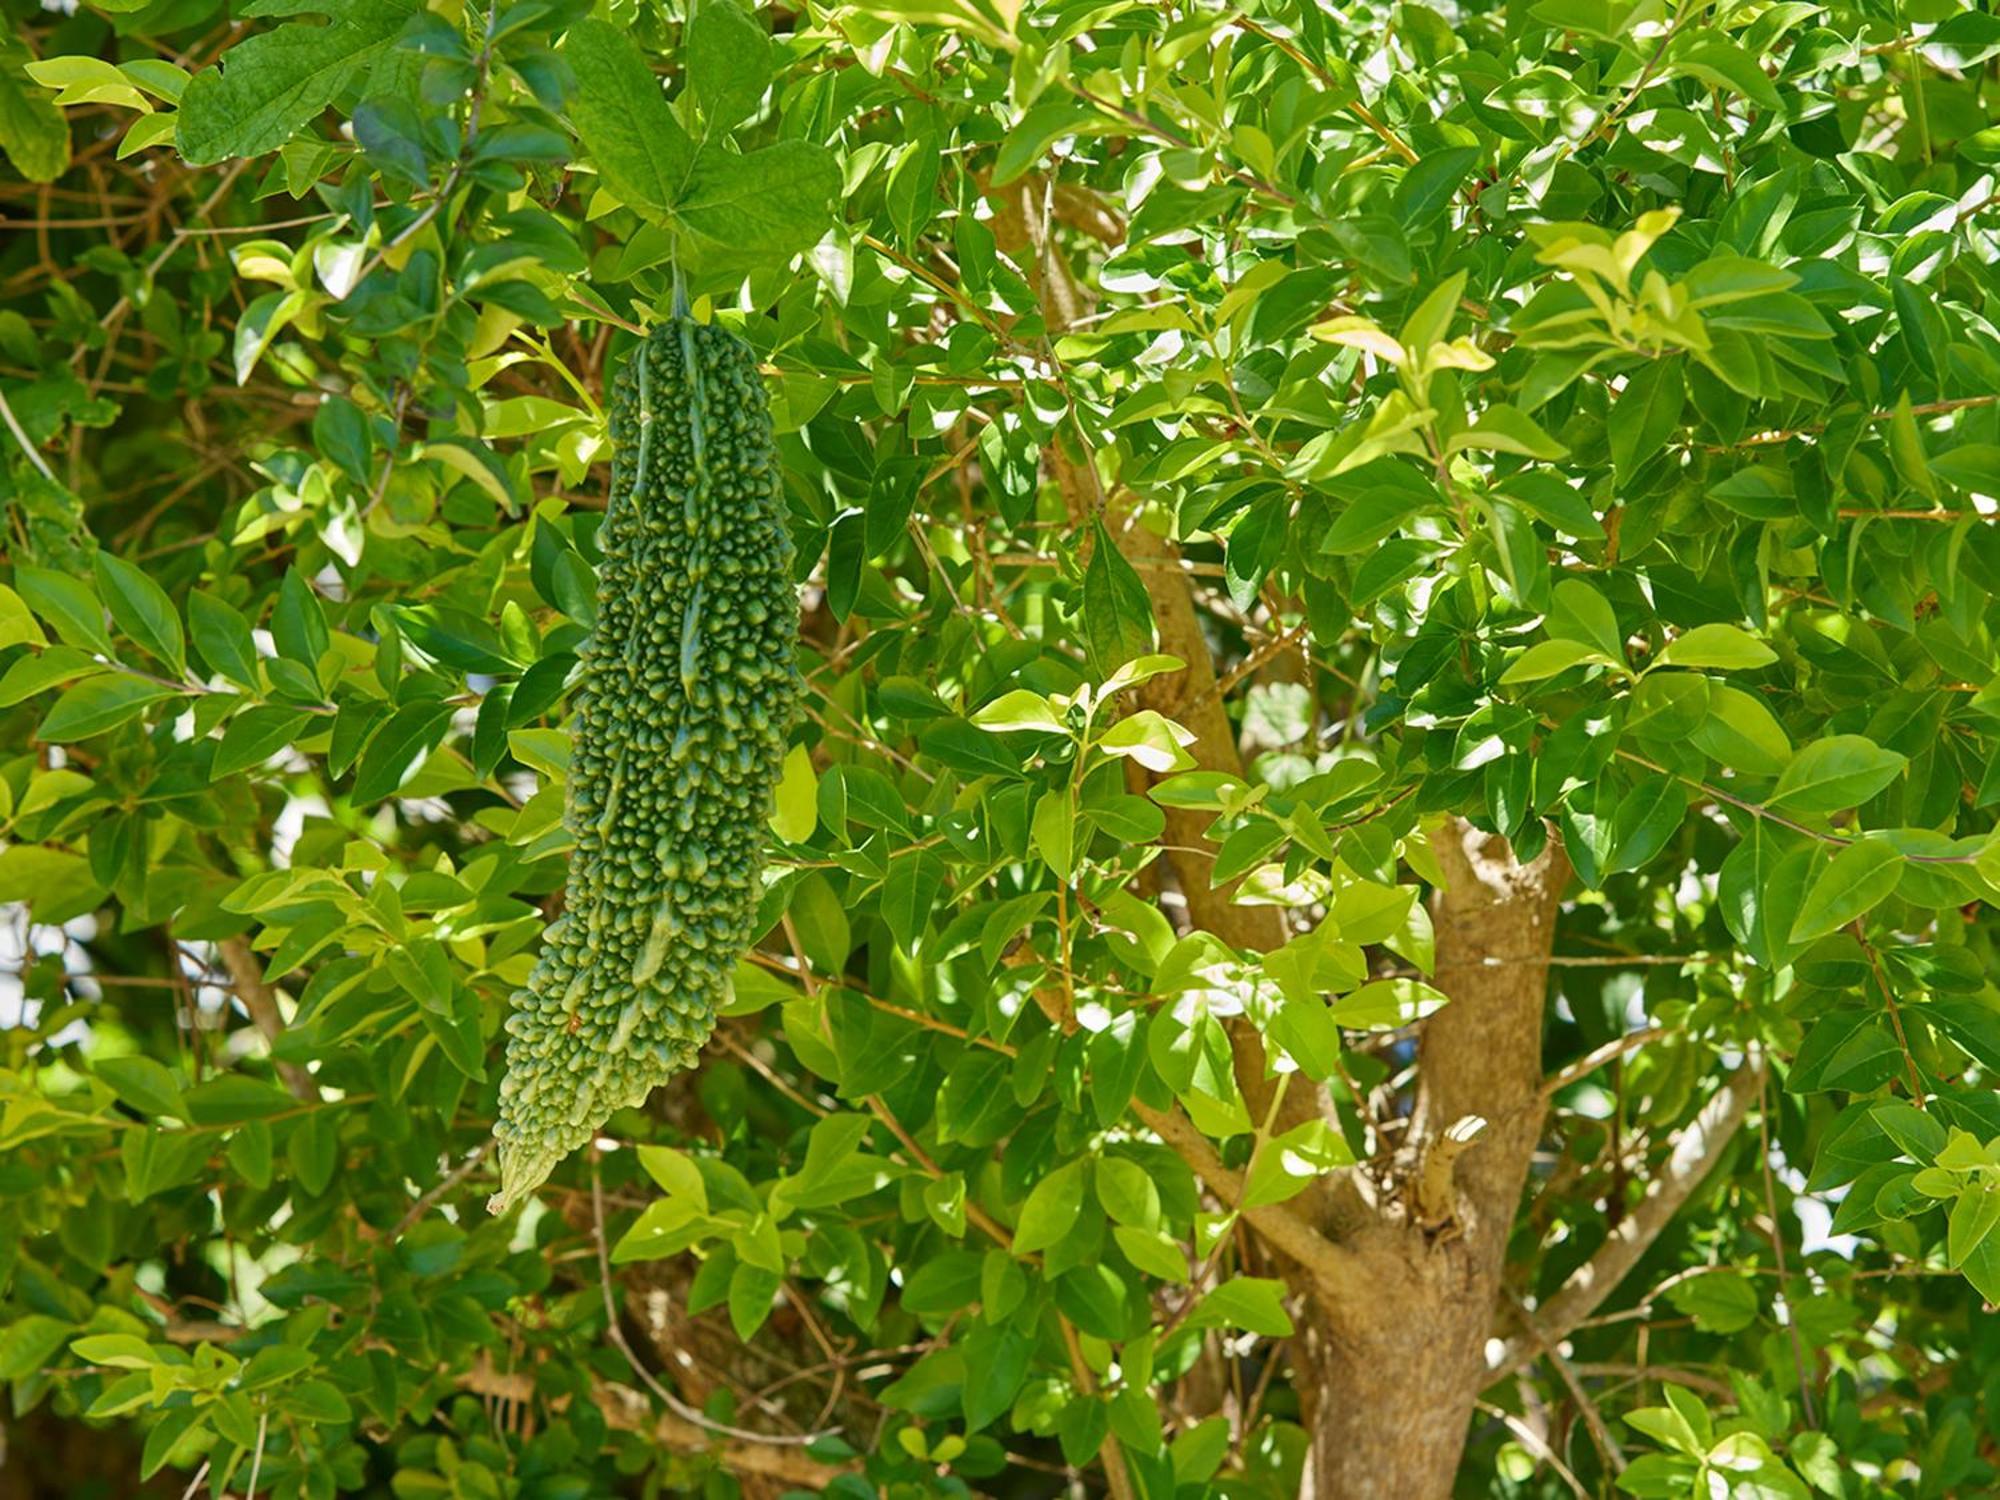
1336	1274
1696	1150
1590	1062
261	1001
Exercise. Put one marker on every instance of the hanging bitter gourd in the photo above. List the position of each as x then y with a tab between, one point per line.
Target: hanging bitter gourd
689	688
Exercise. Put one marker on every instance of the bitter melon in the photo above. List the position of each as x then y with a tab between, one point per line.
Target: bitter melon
688	691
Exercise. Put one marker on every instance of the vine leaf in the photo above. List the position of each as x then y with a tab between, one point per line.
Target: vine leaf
641	151
728	63
770	204
722	207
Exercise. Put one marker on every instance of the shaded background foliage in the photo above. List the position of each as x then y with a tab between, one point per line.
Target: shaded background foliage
1578	418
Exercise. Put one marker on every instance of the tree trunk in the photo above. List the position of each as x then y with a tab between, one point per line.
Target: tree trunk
1388	1378
1390	1383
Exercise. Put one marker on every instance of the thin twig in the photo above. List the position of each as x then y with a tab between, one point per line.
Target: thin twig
1539	1444
1591	1061
21	437
457	1175
615	1332
1778	1248
257	1459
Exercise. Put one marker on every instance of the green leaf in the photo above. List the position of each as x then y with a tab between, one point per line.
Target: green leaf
141	608
1722	647
1138	670
1741	733
54	885
1647	817
1038	129
1971	466
1759	890
17	625
118	1351
1848	886
33	132
1546	659
1729	66
1117	612
398	749
1373	514
255	735
99	704
1507	429
997	1359
263	320
1719	1302
1127	1193
316	1401
728	62
1386	1004
1287	1165
1974	1216
222	637
638	146
1646	414
1156	743
298	624
30	1343
1303	1026
1251	1303
144	1084
1054	829
67	604
1051	1208
769	205
1579	612
1839	772
795	805
1021	709
1153	1251
1430	321
87	80
471	459
915	879
272	85
1920	1135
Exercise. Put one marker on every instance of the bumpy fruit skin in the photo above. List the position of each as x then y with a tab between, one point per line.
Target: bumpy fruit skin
689	689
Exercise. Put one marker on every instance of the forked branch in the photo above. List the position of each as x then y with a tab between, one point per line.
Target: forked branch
1334	1269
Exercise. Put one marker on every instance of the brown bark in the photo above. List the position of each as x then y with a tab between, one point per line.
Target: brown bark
260	1001
1390	1379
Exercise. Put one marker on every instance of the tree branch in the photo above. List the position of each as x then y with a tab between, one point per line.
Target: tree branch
1696	1149
626	1409
1335	1271
261	1001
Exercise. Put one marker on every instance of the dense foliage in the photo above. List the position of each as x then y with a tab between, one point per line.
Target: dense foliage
1221	447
